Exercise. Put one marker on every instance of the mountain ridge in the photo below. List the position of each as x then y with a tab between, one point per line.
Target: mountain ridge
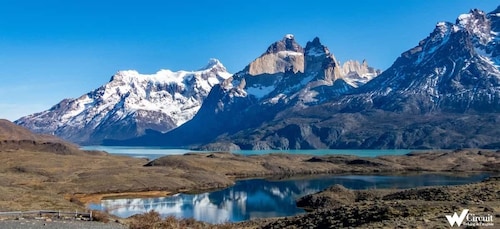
282	83
129	104
443	93
292	97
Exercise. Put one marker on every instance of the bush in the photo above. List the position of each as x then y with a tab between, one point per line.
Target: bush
150	220
100	216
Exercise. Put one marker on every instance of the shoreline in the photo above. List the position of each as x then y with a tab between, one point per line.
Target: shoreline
422	207
96	198
71	181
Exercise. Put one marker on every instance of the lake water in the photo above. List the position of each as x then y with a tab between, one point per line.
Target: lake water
260	198
156	152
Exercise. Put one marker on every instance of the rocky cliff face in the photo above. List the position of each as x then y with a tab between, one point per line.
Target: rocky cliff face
443	93
358	74
129	104
281	56
286	76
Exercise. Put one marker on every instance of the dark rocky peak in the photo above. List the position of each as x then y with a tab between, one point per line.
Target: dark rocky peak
497	10
320	62
288	43
474	13
315	48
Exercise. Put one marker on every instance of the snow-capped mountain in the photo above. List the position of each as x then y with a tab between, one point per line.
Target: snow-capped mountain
456	69
443	93
289	74
285	76
129	104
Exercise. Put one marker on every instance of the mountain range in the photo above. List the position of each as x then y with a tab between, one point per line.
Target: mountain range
129	104
443	93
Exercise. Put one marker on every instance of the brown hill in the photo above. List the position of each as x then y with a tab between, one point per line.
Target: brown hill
14	138
11	131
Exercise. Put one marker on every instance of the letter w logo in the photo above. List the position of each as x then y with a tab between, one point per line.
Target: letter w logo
456	218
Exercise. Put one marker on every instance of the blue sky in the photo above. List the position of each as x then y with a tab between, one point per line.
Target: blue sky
56	49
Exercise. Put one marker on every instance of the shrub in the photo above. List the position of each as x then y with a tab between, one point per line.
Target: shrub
150	220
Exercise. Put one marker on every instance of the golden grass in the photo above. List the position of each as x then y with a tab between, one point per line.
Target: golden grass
32	180
44	180
96	198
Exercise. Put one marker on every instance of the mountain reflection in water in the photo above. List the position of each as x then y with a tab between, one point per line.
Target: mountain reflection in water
259	198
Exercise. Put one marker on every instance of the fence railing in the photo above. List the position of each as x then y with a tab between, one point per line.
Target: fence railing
40	213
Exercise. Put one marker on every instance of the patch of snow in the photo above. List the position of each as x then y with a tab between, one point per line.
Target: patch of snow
289	36
464	18
260	92
276	99
283	54
441	24
225	75
308	96
359	81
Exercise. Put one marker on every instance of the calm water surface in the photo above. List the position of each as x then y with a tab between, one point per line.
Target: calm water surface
156	152
259	198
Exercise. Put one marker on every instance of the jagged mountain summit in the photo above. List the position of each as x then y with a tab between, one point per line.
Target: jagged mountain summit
289	74
129	104
443	93
285	76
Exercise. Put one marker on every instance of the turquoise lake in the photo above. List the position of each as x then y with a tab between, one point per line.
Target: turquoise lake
156	152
